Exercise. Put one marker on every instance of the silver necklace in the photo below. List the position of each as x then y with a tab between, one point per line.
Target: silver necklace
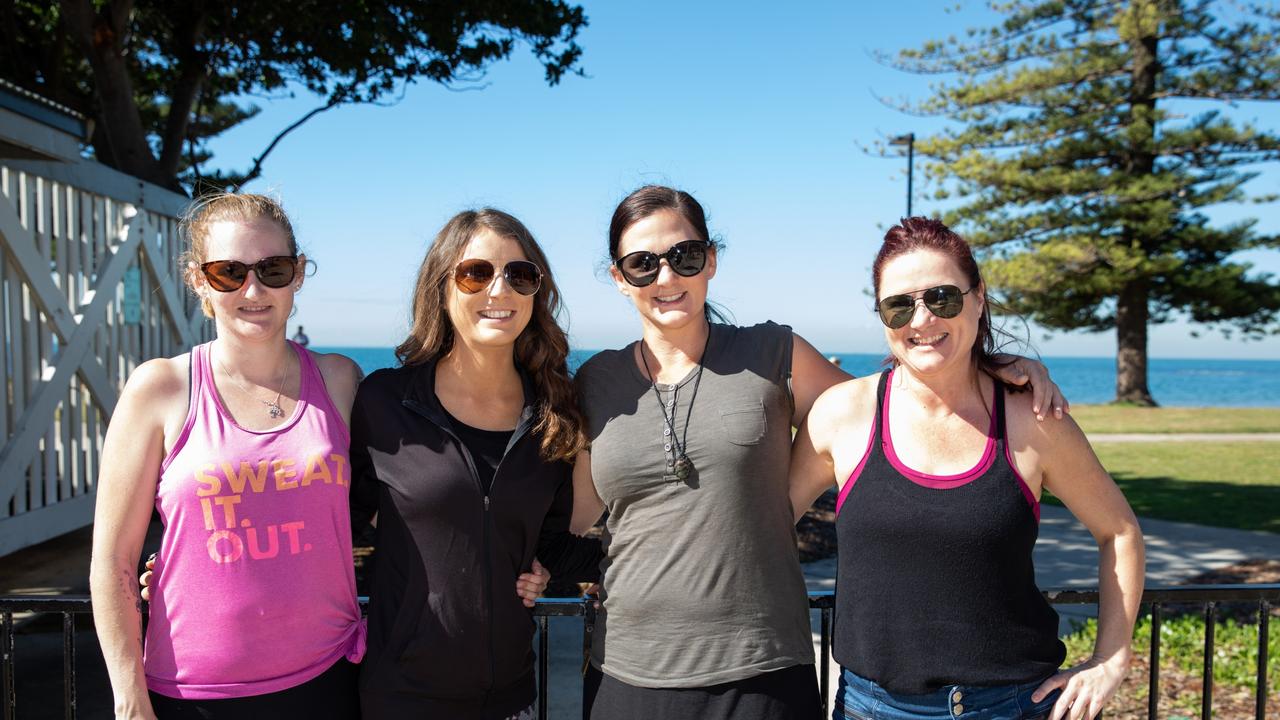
679	469
273	406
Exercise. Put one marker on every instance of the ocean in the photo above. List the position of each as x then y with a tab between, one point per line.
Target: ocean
1173	382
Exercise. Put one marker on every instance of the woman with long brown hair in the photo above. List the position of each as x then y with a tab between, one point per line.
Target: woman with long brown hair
463	454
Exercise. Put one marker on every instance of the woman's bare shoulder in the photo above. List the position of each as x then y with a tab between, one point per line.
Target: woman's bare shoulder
848	401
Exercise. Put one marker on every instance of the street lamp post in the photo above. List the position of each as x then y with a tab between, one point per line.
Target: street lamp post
910	141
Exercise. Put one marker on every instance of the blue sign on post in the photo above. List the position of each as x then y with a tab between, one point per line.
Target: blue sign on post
133	296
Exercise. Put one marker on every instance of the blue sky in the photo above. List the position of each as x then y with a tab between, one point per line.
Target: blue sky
761	110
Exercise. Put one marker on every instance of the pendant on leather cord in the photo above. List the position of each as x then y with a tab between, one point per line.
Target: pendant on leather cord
682	467
680	470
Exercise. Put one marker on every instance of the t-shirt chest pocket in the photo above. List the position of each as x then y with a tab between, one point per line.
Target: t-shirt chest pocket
744	423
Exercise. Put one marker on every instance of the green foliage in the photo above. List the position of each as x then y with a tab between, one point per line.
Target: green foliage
1081	170
1235	660
194	66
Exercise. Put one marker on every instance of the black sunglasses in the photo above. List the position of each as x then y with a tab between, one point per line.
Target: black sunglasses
686	259
475	275
945	301
276	271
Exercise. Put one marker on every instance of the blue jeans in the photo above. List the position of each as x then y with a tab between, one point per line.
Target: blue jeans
861	699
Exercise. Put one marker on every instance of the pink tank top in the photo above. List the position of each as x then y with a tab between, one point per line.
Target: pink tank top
254	590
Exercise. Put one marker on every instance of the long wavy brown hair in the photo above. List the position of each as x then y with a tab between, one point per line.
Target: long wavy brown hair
542	349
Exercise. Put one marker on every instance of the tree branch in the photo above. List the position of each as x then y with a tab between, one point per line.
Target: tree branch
256	171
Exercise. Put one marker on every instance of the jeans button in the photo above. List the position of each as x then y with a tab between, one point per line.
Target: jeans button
957	696
958	709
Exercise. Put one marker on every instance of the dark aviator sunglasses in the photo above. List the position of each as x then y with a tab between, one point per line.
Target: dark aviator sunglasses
945	301
686	259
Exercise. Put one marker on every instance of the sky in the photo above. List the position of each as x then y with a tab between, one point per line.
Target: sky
763	111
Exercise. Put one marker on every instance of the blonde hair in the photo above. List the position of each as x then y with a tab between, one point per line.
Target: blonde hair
223	207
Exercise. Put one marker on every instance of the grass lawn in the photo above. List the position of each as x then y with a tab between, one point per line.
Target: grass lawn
1128	419
1235	485
1182	665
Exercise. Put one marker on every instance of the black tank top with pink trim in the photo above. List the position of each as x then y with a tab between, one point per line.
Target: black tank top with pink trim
935	584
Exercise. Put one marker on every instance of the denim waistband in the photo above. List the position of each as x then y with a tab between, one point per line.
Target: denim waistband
864	698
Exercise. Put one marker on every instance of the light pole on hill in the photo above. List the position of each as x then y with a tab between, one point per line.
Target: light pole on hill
910	141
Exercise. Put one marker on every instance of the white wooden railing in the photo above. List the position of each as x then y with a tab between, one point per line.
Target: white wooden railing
89	289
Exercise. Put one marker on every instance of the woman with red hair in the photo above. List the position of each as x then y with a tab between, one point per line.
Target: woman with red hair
937	610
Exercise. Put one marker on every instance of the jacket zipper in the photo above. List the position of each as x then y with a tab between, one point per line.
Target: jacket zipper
521	429
485	520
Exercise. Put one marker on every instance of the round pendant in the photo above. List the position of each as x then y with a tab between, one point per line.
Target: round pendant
684	466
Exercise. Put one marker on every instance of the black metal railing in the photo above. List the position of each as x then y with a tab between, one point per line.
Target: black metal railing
1208	597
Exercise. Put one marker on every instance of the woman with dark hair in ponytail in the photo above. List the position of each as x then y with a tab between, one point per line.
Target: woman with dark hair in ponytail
463	454
937	610
704	613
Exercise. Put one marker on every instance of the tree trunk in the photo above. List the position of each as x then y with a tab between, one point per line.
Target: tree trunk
1131	345
1132	312
119	122
193	66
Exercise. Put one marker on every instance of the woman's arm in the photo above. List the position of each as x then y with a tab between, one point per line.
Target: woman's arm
832	441
1072	472
811	375
812	470
126	489
1046	396
568	556
587	505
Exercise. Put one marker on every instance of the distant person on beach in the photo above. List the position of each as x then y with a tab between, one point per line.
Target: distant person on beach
834	360
704	613
300	338
241	444
463	454
940	468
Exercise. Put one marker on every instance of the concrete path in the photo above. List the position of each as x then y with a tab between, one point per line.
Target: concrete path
1066	556
1183	437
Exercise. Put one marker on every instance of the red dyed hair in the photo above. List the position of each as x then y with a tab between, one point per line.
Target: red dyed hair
922	233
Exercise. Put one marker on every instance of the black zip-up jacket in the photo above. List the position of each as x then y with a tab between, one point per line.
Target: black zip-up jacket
448	636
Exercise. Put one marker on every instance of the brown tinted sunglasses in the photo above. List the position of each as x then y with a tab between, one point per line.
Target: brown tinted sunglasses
475	275
276	271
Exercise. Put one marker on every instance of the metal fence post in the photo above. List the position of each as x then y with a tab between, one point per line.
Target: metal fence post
1153	680
69	665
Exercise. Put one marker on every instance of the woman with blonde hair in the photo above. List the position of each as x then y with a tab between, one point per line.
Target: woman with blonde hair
241	445
463	454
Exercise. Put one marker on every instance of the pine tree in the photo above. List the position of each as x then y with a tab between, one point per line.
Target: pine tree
1089	138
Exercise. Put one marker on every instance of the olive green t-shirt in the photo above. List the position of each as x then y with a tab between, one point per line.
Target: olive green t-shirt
702	581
